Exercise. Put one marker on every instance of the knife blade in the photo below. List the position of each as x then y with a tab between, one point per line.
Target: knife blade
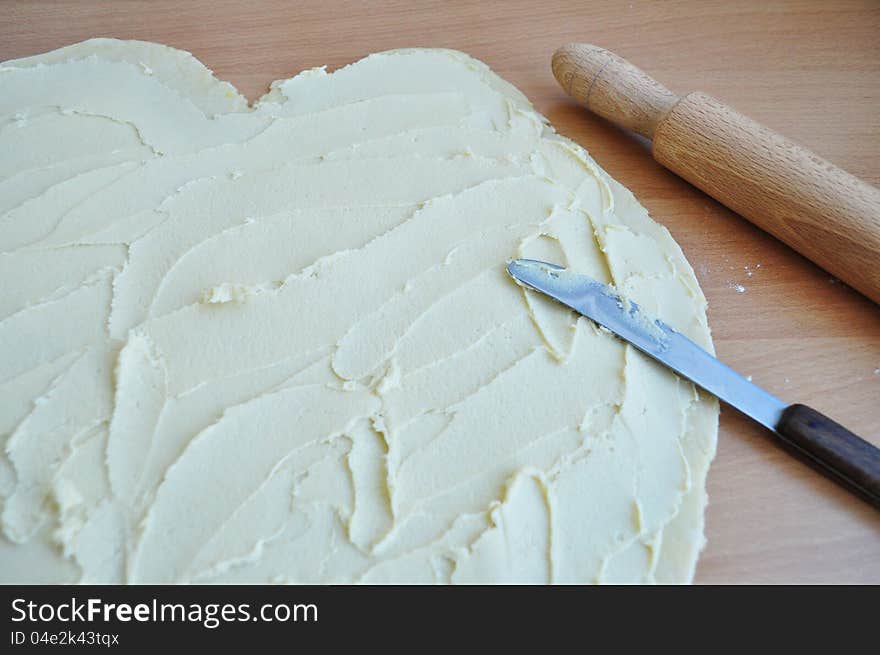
838	452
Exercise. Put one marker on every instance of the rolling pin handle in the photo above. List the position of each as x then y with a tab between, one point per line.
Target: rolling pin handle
611	87
820	210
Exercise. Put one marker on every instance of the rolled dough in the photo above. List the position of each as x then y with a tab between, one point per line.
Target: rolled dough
278	344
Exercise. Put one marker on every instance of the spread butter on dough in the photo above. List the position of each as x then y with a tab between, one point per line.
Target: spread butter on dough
278	343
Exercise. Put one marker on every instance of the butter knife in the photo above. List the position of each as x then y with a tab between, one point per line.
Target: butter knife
834	450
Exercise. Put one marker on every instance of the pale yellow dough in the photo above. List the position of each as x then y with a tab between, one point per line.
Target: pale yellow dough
278	344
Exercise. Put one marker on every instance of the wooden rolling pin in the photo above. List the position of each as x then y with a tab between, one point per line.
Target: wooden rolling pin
820	210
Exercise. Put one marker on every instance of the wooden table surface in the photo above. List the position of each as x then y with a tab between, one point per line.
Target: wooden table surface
810	70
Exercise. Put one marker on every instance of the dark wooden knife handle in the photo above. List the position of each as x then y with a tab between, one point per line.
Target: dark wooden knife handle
849	459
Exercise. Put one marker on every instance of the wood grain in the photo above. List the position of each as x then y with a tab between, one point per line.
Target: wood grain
807	69
820	210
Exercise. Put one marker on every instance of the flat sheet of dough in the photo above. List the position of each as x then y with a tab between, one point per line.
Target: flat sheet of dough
277	344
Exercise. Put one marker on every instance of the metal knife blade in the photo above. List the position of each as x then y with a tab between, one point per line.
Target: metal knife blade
830	447
624	318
